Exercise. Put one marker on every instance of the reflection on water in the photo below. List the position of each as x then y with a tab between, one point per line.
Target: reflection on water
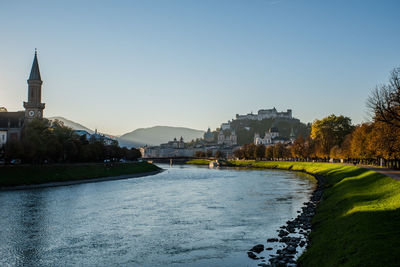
186	215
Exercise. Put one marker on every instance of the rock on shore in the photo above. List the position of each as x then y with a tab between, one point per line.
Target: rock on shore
294	234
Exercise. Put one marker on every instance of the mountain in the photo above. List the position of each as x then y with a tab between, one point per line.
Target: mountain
143	136
161	134
72	124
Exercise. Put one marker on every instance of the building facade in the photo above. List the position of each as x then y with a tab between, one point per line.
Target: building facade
177	148
227	140
271	137
226	126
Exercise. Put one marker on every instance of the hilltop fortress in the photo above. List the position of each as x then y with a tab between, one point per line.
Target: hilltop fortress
266	114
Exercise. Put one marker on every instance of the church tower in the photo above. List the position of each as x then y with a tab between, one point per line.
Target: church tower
34	108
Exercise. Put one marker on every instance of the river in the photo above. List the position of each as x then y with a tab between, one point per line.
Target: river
184	216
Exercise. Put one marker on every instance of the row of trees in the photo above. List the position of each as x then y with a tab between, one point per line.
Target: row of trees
208	154
334	137
326	134
45	141
367	143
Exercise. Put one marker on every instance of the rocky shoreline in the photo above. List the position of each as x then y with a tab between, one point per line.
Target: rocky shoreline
293	236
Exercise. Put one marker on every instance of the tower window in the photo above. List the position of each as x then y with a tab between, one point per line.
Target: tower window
31	93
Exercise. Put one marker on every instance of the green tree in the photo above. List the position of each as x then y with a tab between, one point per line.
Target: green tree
36	135
13	149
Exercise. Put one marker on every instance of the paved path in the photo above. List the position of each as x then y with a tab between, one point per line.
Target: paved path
395	174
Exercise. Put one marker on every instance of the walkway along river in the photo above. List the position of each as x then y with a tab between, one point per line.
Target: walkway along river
184	216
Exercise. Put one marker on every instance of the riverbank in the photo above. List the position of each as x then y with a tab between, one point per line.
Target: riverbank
358	221
24	177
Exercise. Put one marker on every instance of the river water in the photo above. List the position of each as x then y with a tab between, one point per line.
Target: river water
184	216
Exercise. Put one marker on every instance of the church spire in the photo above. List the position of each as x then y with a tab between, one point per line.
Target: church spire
34	107
35	72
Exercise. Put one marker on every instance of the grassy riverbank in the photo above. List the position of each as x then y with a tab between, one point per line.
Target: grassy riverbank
29	175
199	162
358	221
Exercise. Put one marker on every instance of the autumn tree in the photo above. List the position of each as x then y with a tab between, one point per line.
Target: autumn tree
198	154
384	101
298	149
330	132
279	151
385	141
361	137
259	151
345	148
219	154
269	152
238	153
249	151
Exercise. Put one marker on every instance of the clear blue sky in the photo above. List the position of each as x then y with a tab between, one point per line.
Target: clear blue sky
122	65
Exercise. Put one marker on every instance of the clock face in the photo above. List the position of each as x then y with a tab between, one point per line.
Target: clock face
31	113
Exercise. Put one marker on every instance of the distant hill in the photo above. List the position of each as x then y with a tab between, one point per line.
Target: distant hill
72	124
161	134
143	136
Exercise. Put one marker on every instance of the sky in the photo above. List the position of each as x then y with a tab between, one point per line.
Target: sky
122	65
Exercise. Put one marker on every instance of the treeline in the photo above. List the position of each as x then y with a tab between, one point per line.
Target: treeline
326	136
209	154
50	141
335	138
373	143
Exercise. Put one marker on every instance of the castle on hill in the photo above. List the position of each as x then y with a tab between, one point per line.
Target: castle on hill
266	114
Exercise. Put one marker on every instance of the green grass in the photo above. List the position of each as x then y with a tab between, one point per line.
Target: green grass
28	175
358	221
199	162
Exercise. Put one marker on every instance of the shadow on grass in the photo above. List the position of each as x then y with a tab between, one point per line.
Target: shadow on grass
359	239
